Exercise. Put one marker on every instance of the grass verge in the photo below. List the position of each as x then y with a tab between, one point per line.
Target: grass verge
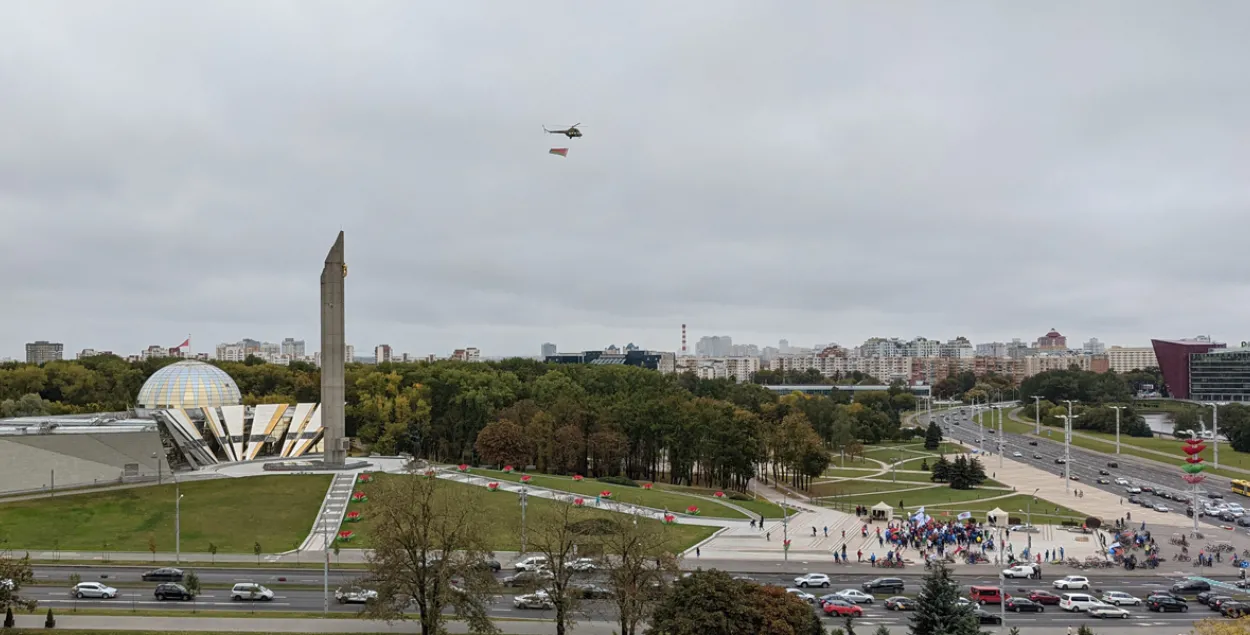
657	498
232	513
504	511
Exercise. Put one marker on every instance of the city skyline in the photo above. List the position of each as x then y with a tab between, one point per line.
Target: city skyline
954	172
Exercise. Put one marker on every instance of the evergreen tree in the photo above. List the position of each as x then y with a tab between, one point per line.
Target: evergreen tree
933	436
939	612
976	471
960	474
941	471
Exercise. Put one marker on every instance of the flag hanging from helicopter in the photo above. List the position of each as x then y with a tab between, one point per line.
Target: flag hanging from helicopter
564	152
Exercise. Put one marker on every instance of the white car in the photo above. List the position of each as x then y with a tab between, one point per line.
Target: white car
1018	571
250	591
93	590
531	563
1121	481
355	595
802	595
1161	508
1077	602
540	601
812	579
855	596
1016	454
1119	598
1106	610
583	565
1072	582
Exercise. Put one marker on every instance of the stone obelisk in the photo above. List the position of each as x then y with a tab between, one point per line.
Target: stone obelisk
333	349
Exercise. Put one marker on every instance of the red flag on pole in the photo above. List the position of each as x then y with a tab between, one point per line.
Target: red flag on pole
185	344
564	152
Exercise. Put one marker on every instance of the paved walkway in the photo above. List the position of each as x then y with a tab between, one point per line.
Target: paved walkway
330	517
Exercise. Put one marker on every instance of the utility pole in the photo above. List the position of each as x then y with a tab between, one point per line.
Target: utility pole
177	520
1037	414
1002	442
1067	452
1215	438
1117	427
785	528
524	502
325	572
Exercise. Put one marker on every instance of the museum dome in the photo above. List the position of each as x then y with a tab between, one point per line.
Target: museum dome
189	384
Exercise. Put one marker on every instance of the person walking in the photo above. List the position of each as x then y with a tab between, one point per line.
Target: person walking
698	552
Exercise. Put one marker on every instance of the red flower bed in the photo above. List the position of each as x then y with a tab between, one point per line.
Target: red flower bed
719	494
359	497
646	486
346	536
507	469
693	510
579	502
463	467
494	487
605	494
364	477
577	477
353	517
526	478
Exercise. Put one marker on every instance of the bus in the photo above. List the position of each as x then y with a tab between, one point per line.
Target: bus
1241	487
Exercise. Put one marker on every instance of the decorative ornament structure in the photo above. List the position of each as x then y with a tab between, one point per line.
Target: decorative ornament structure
1193	466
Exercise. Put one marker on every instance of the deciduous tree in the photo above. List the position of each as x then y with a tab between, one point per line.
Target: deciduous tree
636	557
19	573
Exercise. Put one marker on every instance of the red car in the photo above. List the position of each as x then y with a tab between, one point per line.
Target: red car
1043	597
842	608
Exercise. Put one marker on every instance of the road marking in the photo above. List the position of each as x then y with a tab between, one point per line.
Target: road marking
146	602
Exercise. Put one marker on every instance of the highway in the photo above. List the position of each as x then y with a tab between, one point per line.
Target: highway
138	595
1085	464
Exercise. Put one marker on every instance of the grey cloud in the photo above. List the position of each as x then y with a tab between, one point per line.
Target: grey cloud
817	172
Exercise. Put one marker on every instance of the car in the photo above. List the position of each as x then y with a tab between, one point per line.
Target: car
1166	604
489	565
172	591
802	595
354	595
1235	609
1205	597
1036	455
855	596
1104	473
1244	521
1018	571
1103	611
1119	598
93	590
1216	601
164	574
1133	490
1113	465
1190	587
1016	454
1078	601
883	585
1072	582
841	608
1028	529
901	603
531	563
1032	442
1075	477
1103	481
1042	596
985	617
589	591
1161	508
528	577
1024	605
250	591
540	601
583	565
1215	495
1121	481
1060	461
812	579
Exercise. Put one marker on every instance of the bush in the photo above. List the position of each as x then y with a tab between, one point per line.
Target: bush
618	480
1093	523
924	465
50	622
1069	523
738	496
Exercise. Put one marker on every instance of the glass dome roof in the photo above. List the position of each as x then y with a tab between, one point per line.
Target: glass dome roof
189	384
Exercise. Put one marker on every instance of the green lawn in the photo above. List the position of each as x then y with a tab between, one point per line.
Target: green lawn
1009	425
913	500
232	513
757	506
658	498
504	511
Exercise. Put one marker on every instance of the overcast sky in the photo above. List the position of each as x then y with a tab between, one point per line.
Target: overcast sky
765	170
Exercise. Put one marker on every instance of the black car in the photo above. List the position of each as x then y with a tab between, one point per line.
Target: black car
1113	465
1204	597
883	585
1214	495
1165	604
985	617
171	591
166	574
593	591
1023	605
1190	587
489	565
1216	601
1032	442
1234	609
1060	461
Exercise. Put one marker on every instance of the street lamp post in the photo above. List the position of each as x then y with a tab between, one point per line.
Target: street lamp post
1002	444
785	529
1067	451
1117	427
177	522
524	501
1037	414
1215	435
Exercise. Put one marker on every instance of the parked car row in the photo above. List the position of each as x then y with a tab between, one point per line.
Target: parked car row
174	591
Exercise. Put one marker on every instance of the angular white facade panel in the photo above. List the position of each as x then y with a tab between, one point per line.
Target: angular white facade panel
264	420
212	423
236	427
299	420
309	435
195	443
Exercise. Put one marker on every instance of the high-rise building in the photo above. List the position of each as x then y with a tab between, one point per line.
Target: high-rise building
467	355
549	349
992	349
42	352
293	348
784	346
382	353
1052	341
1094	347
714	346
1123	359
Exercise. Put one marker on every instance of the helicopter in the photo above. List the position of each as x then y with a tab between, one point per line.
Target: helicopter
570	132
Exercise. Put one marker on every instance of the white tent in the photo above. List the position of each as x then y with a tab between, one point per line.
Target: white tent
996	517
882	511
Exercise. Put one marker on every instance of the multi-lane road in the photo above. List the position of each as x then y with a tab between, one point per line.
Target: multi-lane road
1085	464
295	593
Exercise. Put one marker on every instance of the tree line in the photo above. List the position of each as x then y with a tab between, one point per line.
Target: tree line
593	420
